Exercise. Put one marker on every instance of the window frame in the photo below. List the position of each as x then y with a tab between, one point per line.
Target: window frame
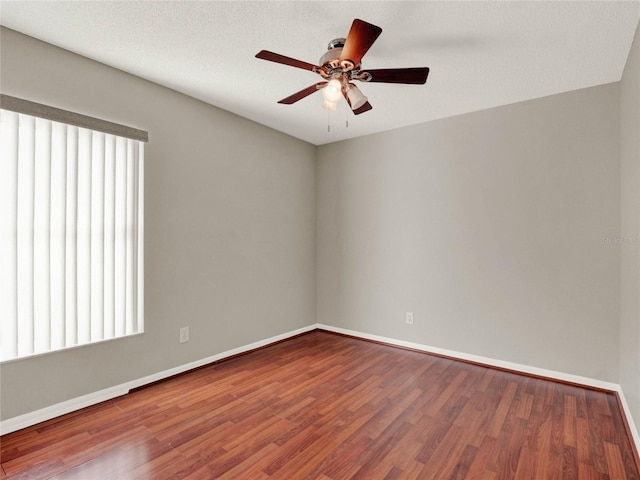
133	162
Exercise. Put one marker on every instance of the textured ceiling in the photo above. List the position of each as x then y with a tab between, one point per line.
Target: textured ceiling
481	54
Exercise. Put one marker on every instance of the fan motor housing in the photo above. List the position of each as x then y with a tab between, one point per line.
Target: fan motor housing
331	59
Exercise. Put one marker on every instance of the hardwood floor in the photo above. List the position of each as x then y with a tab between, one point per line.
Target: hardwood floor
326	407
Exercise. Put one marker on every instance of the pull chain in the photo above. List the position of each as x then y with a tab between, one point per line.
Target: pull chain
346	120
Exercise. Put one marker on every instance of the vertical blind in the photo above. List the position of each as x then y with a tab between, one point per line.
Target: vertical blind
71	235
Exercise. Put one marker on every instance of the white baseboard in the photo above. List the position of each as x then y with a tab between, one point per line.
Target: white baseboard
517	367
627	414
47	413
32	418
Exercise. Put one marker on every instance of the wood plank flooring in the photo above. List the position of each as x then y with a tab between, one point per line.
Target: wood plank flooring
327	407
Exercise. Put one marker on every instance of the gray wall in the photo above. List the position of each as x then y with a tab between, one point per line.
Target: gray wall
230	226
630	231
491	227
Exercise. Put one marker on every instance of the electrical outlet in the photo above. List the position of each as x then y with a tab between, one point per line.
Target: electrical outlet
409	318
184	334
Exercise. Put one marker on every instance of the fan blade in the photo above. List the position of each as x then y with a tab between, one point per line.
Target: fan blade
416	76
302	93
359	40
364	108
277	58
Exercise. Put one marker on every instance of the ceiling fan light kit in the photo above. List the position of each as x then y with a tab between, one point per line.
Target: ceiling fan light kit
341	65
332	90
355	97
328	105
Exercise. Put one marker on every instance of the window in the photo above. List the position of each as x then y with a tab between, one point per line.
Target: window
71	229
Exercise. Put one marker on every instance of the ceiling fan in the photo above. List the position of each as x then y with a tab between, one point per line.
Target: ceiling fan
340	66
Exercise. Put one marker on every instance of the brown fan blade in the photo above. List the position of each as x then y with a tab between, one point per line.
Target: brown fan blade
277	58
359	40
416	76
302	93
364	108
